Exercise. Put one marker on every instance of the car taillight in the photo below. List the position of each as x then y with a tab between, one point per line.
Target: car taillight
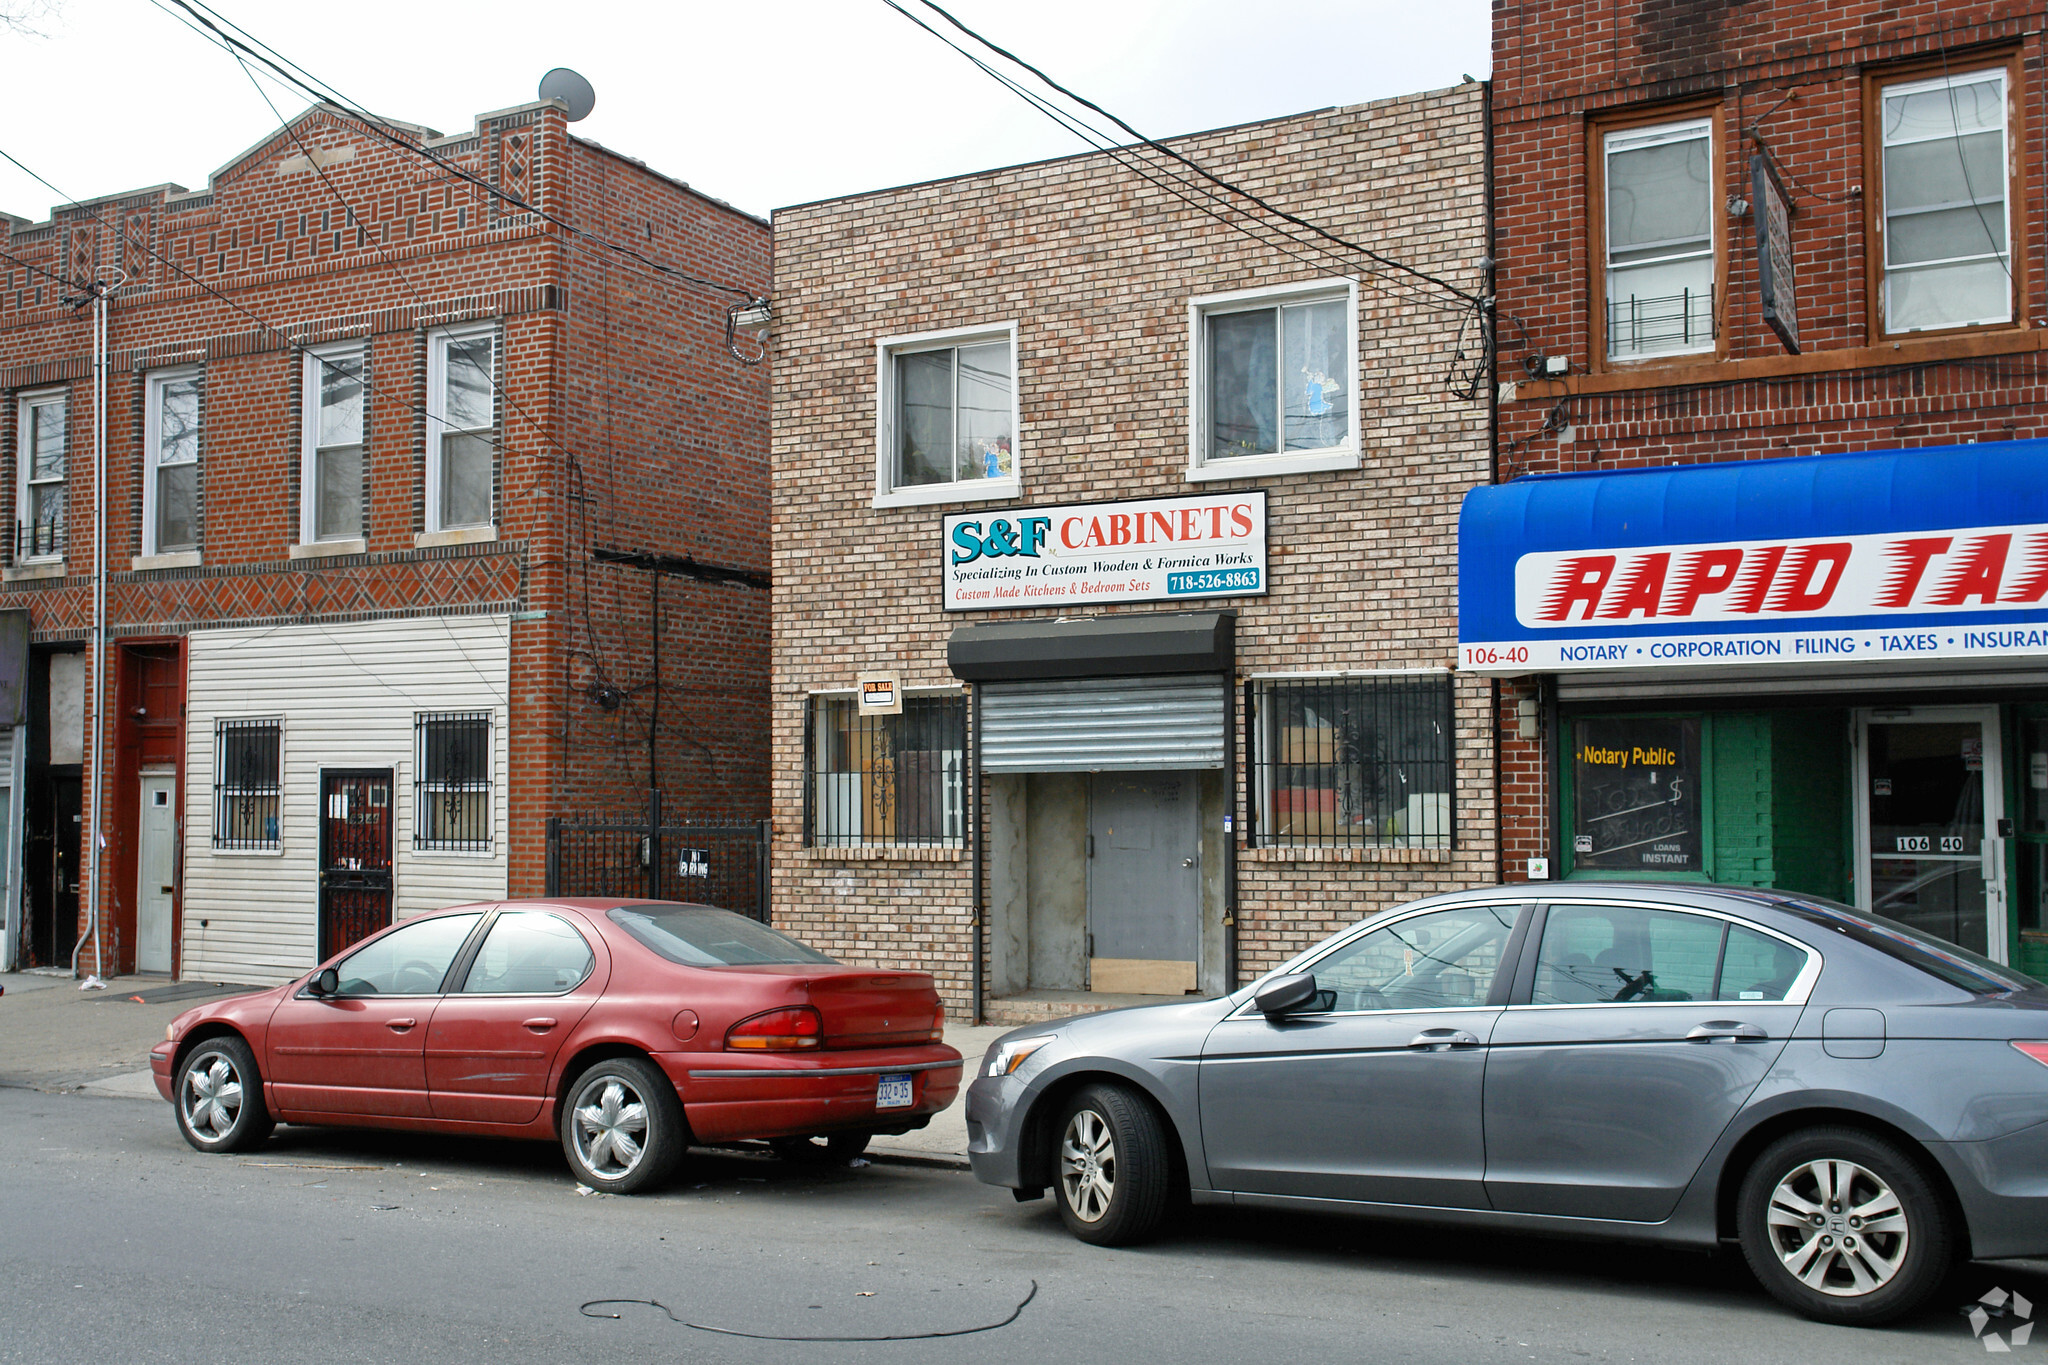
783	1030
939	1024
2038	1051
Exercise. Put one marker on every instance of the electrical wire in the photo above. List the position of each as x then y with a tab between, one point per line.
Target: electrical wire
1387	261
1014	1314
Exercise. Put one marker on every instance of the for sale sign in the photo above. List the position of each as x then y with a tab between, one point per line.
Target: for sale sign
1084	554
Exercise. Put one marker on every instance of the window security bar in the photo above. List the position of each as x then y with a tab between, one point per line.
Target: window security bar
452	782
886	779
1350	762
245	783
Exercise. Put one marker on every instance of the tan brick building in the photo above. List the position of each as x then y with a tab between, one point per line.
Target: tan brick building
1145	518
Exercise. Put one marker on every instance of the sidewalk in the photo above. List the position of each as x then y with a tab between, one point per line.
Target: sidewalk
54	1036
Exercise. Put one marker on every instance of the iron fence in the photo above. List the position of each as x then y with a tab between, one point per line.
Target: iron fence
642	854
1357	761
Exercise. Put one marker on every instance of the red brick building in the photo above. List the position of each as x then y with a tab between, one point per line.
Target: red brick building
371	405
1763	233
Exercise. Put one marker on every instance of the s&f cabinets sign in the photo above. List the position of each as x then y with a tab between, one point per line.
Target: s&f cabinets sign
1937	553
1157	550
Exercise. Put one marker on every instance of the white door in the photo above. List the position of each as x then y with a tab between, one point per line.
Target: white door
1929	799
155	865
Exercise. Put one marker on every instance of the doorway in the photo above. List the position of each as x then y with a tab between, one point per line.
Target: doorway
1930	806
355	856
155	872
1144	883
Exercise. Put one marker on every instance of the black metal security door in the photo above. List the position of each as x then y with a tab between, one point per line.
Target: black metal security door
355	856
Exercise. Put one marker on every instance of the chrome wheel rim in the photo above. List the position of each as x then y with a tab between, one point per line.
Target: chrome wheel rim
1088	1166
609	1128
211	1099
1838	1228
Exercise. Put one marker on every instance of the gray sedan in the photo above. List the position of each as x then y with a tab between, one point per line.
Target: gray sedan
1856	1104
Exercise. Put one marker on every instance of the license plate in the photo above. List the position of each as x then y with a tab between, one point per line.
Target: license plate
893	1092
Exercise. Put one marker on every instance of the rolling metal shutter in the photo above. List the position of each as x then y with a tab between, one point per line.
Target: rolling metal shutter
1104	724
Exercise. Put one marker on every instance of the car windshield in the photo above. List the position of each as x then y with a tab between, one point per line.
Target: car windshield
699	936
1959	967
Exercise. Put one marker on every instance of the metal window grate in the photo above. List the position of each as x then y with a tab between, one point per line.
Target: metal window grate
452	781
886	779
245	783
1357	762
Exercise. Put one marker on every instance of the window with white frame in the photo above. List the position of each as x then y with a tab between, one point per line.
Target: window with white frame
462	429
1947	253
331	467
452	781
1275	380
40	497
948	422
170	488
246	783
1659	189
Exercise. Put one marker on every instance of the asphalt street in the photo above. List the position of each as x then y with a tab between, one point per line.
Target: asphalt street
118	1242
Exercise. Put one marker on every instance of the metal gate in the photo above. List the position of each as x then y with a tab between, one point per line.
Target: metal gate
1103	725
355	856
642	855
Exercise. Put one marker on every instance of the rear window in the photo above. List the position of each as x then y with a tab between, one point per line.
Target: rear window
699	936
1959	967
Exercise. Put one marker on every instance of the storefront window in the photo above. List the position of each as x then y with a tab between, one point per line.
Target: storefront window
886	779
1636	794
1360	760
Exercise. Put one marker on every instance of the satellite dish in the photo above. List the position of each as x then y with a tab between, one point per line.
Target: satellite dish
571	89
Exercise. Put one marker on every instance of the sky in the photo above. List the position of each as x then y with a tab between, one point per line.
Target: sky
759	105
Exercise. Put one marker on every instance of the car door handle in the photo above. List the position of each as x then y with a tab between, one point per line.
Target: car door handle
398	1025
1725	1031
541	1025
1442	1040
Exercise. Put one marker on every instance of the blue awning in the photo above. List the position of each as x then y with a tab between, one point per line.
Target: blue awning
1765	561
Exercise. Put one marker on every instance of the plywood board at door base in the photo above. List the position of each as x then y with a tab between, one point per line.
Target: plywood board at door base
1140	976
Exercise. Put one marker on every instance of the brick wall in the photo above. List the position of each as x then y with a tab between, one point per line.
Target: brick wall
1795	72
1096	268
622	420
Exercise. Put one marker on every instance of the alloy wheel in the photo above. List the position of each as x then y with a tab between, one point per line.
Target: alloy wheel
1088	1165
212	1099
610	1128
1838	1228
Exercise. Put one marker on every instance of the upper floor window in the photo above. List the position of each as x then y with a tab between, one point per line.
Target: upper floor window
1947	257
331	473
1658	243
170	487
947	428
1274	382
462	429
39	460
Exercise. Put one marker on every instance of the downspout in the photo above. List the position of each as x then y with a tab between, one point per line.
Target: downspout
974	839
94	838
1491	322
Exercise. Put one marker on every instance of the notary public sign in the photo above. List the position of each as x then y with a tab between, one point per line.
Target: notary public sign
1086	554
1871	558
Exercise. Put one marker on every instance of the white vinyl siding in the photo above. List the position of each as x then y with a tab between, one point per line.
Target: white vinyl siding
346	696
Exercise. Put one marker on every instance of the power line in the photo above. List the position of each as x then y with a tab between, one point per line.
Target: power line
1387	261
322	93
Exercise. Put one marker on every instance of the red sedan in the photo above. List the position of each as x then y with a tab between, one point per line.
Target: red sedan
627	1029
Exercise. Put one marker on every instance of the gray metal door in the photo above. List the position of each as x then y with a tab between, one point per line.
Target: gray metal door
1144	883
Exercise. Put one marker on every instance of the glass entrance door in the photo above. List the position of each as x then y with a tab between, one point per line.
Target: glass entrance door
1929	798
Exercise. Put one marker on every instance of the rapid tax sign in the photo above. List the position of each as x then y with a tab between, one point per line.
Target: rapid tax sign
1937	553
1153	550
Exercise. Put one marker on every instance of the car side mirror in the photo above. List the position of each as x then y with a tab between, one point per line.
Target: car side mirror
325	982
1286	994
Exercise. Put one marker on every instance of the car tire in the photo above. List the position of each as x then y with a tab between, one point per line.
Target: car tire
827	1149
218	1097
1885	1240
623	1128
1112	1168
